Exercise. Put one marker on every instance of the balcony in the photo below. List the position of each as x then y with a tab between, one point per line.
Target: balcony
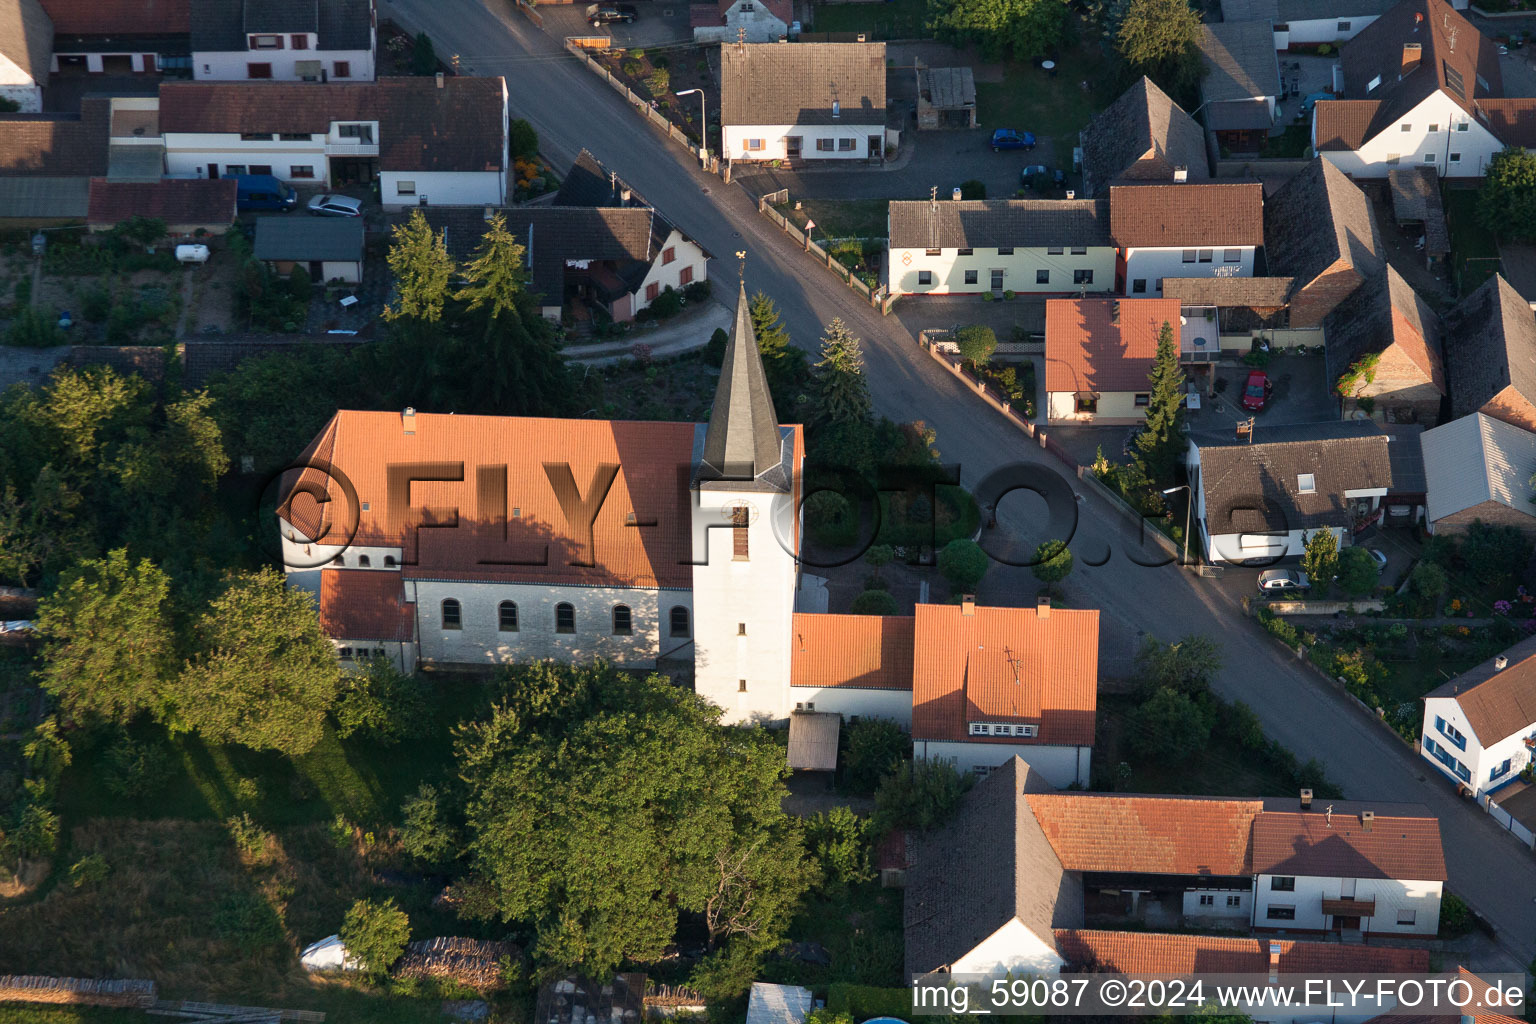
1199	340
351	147
1349	908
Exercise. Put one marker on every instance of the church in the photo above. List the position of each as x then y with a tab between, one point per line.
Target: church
446	541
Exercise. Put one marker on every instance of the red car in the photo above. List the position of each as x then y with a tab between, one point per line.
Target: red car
1256	391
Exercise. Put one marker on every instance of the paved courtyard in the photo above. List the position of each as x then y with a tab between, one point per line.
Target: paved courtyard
659	22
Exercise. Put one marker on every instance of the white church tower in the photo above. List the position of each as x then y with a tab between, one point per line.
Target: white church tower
746	532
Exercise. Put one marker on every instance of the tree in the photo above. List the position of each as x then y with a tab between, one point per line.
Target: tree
839	840
496	276
265	674
963	563
1186	666
1506	204
784	364
423	56
1493	552
873	602
1170	727
375	933
1160	39
424	834
522	140
876	747
383	702
1160	444
601	804
1357	571
419	260
1320	558
841	392
977	343
1016	29
921	794
110	650
1053	562
1429	580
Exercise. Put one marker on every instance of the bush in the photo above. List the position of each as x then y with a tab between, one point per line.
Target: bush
873	602
1278	627
1357	571
876	747
95	303
299	284
697	291
977	344
33	329
423	832
658	82
1053	562
973	189
1429	580
963	563
249	837
839	840
375	933
1455	916
866	1001
88	871
245	918
522	140
631	67
131	769
879	555
920	795
668	303
21	294
382	702
714	351
1170	727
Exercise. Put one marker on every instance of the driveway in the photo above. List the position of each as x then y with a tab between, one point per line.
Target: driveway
659	22
571	109
1301	394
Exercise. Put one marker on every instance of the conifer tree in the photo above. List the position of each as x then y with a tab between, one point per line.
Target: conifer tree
842	393
496	276
1160	442
420	262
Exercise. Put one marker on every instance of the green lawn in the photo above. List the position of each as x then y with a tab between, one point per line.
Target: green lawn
1291	145
896	19
1474	250
1057	107
840	218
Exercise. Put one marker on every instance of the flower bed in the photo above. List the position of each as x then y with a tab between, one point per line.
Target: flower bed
661	76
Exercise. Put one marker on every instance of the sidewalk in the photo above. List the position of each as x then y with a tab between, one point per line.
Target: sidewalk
685	333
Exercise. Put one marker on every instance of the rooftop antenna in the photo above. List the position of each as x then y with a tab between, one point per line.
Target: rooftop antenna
741	39
1328	816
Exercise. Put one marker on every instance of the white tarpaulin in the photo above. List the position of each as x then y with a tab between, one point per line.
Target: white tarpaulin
329	954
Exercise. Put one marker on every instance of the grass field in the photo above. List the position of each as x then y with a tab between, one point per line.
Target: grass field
1474	250
1055	106
840	218
896	19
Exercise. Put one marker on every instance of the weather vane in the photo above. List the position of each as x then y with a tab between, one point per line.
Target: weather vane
741	254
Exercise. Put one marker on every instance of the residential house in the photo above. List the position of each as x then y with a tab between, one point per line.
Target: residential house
1007	884
1098	353
1184	230
966	247
1320	232
1490	355
1142	136
809	101
1304	24
1480	728
1477	468
425	140
120	37
47	163
188	206
946	97
977	685
327	248
1383	352
26	51
750	21
295	41
1413	82
688	563
1241	86
1262	500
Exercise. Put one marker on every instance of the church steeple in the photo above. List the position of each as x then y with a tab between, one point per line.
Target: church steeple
742	442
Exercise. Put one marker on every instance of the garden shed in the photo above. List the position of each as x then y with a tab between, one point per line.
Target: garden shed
946	98
330	248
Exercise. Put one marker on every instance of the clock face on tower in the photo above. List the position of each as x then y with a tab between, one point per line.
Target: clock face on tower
740	513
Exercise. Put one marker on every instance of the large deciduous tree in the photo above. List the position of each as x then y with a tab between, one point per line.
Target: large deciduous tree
110	649
1506	204
418	257
1016	29
1185	666
1161	39
265	674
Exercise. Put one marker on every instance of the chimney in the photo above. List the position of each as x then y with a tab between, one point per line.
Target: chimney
625	195
1071	194
1181	174
439	79
1274	962
1367	820
490	211
408	419
1306	799
1412	54
837	109
955	195
967	604
1500	663
1042	607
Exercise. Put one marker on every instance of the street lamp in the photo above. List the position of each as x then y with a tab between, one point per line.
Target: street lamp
1189	500
703	121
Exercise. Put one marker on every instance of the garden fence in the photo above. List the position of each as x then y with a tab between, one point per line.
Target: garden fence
530	13
578	45
876	296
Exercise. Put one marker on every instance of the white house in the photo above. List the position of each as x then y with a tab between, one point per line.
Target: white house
26	51
303	41
1413	84
751	21
806	101
1184	229
1480	728
966	247
1305	24
1098	354
395	131
1263	500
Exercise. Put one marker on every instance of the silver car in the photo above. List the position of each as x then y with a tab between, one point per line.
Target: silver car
1279	582
327	205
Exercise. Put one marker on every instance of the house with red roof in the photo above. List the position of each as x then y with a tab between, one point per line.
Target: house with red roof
1098	353
1480	727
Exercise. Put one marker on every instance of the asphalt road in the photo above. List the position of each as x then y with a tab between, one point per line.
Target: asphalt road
570	108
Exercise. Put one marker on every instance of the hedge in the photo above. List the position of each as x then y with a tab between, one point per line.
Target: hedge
863	1002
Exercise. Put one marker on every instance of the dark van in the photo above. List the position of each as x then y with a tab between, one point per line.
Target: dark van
264	192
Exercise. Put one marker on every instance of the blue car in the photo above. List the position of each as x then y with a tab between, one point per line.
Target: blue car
1007	138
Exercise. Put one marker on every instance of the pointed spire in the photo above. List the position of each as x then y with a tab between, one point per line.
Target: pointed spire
742	440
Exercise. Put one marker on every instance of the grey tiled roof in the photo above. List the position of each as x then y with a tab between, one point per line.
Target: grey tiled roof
589	183
742	441
1476	459
1252	292
1256	487
218	26
309	238
1142	120
990	864
1240	61
346	24
799	83
1490	345
1316	219
1282	11
1382	313
44	197
991	223
26	37
282	16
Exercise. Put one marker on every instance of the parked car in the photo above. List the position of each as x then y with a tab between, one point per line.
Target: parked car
1279	582
604	14
1379	557
1257	391
1008	138
1029	175
327	205
263	192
